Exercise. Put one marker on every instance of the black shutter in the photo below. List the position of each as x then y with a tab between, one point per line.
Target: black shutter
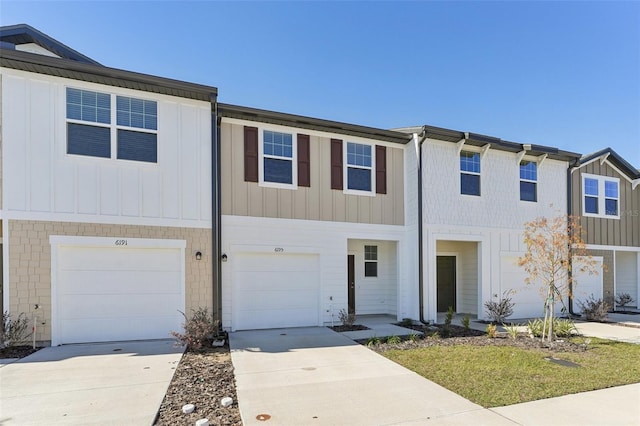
336	164
250	154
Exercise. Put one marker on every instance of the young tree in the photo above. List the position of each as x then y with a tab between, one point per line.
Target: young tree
551	244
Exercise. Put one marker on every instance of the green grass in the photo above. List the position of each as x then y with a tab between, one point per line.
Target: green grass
494	376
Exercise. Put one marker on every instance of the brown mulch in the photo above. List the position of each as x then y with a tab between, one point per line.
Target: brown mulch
18	351
354	327
461	336
202	378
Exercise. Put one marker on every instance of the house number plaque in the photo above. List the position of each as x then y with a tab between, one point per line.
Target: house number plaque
121	242
278	249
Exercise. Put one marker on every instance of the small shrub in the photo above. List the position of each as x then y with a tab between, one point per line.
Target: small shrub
347	319
406	322
594	309
446	328
13	331
199	330
512	330
435	335
373	341
466	321
394	340
412	337
492	331
624	299
561	327
500	310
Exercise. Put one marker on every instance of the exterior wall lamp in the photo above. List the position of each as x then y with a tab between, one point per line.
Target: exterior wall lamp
224	257
198	255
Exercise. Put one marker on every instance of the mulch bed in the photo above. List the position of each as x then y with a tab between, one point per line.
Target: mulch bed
354	327
17	351
202	378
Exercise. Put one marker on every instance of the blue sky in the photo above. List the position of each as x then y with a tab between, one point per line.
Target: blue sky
563	74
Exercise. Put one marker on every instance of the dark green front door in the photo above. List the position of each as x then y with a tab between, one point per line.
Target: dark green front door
446	279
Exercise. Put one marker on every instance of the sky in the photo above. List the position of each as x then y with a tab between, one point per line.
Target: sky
560	74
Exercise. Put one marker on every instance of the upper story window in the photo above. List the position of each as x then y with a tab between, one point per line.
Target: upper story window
359	176
91	130
273	157
370	261
601	196
528	180
469	173
277	157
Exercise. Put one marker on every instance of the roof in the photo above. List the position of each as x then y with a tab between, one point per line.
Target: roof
614	158
13	35
93	73
477	139
272	117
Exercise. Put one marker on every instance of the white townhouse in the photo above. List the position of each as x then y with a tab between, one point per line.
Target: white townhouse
107	197
477	192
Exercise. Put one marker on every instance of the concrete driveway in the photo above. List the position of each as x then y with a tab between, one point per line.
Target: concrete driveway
107	384
316	376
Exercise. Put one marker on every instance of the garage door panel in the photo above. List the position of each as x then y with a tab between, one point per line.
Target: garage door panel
122	282
105	330
116	306
110	258
117	293
276	262
282	280
276	290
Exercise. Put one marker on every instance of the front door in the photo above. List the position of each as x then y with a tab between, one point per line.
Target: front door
351	283
446	282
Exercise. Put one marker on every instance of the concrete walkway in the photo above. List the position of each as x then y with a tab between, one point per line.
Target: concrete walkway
91	384
316	376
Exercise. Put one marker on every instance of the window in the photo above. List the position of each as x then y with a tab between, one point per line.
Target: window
469	173
91	131
359	167
528	180
277	157
370	261
600	196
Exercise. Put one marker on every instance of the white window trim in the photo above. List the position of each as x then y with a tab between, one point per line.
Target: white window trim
474	150
346	166
365	260
528	180
294	158
113	126
601	196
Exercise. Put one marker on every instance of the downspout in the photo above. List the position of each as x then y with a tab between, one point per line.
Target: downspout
216	212
569	213
422	136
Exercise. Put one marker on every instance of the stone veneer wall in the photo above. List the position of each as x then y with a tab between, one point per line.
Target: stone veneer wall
29	262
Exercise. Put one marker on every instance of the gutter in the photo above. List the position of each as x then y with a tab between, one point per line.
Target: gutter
216	213
418	143
569	213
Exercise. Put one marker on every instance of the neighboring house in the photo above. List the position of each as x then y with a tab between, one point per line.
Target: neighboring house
107	195
606	196
478	192
315	219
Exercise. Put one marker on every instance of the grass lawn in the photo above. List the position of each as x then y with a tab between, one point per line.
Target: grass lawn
494	376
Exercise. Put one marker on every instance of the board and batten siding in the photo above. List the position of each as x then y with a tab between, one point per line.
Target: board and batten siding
43	182
624	231
316	202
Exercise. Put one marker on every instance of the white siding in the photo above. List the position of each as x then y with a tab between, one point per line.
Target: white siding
627	274
376	295
42	182
499	206
330	240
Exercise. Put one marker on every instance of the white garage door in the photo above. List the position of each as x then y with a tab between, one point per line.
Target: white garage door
275	290
586	285
526	297
117	293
